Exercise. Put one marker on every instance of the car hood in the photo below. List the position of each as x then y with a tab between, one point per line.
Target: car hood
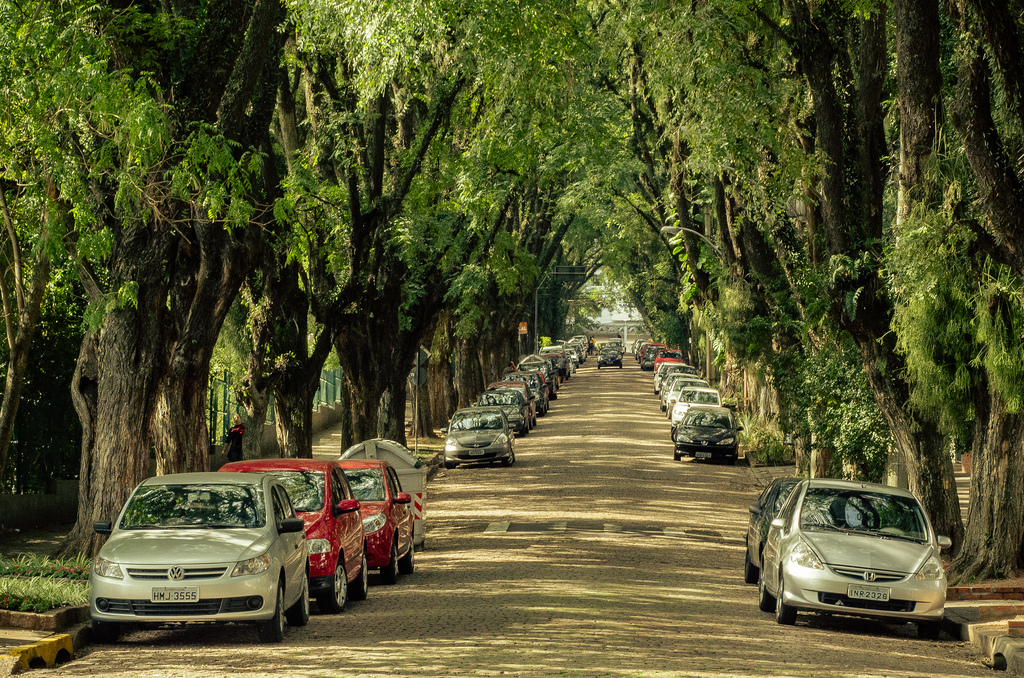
868	552
712	435
158	547
474	437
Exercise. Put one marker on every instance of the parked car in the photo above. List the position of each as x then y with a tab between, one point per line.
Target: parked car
522	389
334	531
665	370
690	396
762	513
536	362
666	354
478	434
387	516
853	548
557	354
708	432
675	385
650	353
517	410
202	547
608	357
538	387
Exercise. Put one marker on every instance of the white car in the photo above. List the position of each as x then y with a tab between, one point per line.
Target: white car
851	548
202	547
675	383
690	396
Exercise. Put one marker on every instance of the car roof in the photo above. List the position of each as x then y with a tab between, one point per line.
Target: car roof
701	389
212	477
479	409
256	465
364	463
859	485
717	409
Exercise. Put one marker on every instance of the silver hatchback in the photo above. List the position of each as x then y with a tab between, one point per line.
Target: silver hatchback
202	547
850	548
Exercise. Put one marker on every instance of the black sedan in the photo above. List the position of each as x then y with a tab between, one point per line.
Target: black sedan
609	357
762	514
708	432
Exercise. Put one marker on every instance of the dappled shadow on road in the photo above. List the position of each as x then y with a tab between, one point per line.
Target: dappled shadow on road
594	555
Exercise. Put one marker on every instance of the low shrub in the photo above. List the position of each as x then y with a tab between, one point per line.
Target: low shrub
42	566
764	443
41	594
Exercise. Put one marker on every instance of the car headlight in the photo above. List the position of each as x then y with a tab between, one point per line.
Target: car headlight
803	556
502	439
932	570
373	523
683	437
318	546
251	566
726	441
451	445
102	567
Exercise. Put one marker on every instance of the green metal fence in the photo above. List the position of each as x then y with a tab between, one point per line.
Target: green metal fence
223	405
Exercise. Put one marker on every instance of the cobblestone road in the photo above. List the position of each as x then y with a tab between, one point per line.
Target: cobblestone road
594	555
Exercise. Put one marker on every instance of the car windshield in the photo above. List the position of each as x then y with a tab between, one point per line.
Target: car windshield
367	483
701	397
497	398
476	421
703	419
670	354
609	351
305	488
831	508
206	505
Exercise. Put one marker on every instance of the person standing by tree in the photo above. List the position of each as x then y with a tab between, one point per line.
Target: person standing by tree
233	443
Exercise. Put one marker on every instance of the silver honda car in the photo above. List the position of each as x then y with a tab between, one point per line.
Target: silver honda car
202	547
850	548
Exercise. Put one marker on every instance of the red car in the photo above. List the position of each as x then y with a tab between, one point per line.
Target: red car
387	516
667	355
324	500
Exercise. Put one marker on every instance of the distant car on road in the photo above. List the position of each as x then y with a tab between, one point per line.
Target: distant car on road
387	516
202	547
334	531
517	410
538	384
478	434
708	432
854	548
609	357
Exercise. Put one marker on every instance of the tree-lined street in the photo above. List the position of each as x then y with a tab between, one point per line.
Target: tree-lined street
594	555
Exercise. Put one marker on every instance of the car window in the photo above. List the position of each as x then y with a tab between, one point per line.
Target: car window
837	508
339	487
280	508
206	505
785	489
305	488
705	419
476	422
367	483
393	482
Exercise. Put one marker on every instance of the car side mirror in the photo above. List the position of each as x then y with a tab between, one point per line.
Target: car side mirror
291	525
779	523
102	528
739	428
444	431
944	541
755	509
346	506
403	498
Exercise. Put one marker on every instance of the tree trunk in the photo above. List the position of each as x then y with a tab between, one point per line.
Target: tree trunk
443	400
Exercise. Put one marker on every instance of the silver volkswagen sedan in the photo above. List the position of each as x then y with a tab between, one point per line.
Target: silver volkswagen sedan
202	547
861	549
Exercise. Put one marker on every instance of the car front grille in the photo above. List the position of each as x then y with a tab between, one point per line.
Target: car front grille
859	572
210	606
189	573
842	600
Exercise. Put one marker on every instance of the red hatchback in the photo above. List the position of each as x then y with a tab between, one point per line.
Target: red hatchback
387	516
324	500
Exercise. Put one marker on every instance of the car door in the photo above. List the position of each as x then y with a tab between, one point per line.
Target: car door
292	551
776	535
402	512
349	525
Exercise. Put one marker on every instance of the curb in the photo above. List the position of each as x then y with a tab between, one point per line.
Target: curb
45	653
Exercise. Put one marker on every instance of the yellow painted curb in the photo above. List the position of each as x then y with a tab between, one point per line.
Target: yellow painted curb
51	650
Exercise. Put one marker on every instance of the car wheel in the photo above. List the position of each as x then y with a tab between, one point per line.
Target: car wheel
676	456
272	630
929	630
361	584
732	459
765	600
510	459
750	571
599	367
105	633
389	573
784	614
334	599
407	565
298	614
449	464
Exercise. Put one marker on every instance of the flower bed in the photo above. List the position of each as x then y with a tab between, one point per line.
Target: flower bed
41	566
41	594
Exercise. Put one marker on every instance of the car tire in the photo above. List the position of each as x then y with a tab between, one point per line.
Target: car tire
272	630
389	573
449	464
407	563
733	459
676	456
751	572
335	598
929	630
298	613
765	600
784	614
359	586
104	632
510	459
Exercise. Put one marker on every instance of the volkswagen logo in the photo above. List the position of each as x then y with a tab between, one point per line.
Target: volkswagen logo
176	573
869	576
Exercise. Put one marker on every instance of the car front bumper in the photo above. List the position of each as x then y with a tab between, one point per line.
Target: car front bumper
709	451
467	455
